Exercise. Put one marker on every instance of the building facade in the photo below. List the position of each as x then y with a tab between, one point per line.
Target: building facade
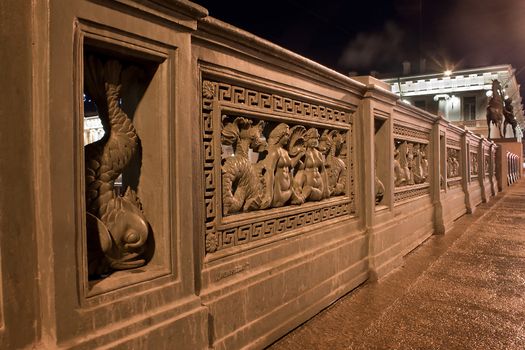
461	96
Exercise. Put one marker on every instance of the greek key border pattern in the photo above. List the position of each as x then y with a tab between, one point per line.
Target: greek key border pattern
453	143
254	231
411	193
217	240
401	131
272	102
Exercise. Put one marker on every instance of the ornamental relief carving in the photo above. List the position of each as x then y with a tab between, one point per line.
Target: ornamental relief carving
494	163
453	142
292	165
473	163
270	163
411	193
453	164
410	163
486	163
408	133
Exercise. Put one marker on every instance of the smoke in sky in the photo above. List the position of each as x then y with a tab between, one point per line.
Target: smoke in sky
448	33
378	47
483	32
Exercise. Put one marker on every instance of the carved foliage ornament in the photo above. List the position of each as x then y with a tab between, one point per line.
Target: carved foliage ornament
117	229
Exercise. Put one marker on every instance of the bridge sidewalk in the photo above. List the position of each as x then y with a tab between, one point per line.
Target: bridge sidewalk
462	290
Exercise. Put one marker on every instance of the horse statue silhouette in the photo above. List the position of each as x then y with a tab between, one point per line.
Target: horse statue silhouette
495	108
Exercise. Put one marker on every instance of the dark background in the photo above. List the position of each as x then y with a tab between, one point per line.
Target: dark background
378	35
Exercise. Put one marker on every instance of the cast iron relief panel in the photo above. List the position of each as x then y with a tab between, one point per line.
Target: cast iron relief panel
442	161
486	164
269	166
411	165
453	162
493	162
117	229
474	164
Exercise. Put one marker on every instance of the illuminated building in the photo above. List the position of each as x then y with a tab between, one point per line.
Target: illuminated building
460	96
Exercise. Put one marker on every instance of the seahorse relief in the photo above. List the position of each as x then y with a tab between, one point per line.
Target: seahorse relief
241	189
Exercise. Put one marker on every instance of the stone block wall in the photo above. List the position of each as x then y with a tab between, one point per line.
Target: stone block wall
240	189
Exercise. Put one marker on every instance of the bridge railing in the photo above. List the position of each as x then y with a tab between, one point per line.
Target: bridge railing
258	186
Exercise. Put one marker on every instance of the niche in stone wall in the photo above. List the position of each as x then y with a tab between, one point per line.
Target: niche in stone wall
126	162
468	163
272	164
382	162
486	164
442	161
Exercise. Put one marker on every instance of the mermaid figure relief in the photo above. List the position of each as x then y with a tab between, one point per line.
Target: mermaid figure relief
331	144
424	161
289	167
399	177
452	163
419	175
241	187
405	159
276	166
410	163
311	181
117	230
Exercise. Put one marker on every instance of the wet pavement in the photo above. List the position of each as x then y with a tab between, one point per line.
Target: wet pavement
461	290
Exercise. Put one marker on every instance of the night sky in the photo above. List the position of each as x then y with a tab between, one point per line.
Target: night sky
377	35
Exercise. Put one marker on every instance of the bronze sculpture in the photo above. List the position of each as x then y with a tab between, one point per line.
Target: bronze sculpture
495	108
117	230
508	113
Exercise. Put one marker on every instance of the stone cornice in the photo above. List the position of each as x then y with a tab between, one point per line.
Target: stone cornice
210	28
